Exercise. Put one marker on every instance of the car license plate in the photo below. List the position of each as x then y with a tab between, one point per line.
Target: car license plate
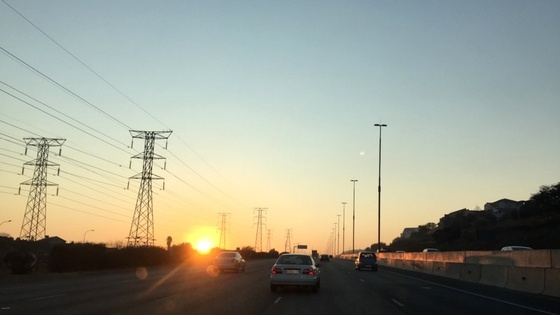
292	271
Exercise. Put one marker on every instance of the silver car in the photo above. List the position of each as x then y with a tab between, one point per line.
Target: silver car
229	261
295	270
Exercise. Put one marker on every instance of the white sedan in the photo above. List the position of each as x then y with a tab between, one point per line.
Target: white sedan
295	270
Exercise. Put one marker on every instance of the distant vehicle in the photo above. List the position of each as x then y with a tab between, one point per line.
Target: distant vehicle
430	250
295	270
324	257
230	261
315	254
400	251
366	260
515	248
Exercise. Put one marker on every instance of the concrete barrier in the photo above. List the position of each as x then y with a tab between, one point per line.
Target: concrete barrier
536	271
470	272
555	258
526	279
552	282
453	270
494	275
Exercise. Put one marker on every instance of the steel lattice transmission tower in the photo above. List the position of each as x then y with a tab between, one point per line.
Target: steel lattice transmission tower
142	227
258	237
223	229
288	243
34	222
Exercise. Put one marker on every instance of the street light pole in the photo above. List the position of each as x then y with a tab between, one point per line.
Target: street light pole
338	232
379	192
86	233
5	222
353	213
343	225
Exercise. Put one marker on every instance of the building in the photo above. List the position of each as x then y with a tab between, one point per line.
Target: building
503	208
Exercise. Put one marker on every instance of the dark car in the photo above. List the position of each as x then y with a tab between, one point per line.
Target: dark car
324	257
229	261
366	260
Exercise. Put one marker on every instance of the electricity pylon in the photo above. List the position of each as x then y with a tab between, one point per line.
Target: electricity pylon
34	222
223	230
258	237
142	227
288	243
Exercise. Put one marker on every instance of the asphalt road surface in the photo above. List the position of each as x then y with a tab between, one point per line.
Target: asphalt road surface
196	290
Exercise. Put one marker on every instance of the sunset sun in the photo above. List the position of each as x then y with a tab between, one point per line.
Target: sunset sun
203	246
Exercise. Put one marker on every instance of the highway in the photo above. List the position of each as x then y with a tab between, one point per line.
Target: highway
193	290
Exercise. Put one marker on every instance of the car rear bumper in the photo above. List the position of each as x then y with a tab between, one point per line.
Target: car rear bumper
294	280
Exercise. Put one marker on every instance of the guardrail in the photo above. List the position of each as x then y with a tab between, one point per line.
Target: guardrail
535	271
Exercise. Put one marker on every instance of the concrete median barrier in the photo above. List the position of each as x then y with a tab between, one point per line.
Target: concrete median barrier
470	272
494	275
552	282
526	279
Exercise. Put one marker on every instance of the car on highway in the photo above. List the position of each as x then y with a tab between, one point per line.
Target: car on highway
515	248
324	257
430	250
298	270
229	261
366	260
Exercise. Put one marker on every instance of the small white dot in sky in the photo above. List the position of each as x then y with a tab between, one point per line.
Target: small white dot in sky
362	153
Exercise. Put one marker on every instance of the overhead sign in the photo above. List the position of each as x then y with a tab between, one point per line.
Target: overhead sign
302	247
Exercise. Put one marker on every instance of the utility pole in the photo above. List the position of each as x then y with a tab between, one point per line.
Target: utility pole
142	226
353	213
343	225
258	237
338	235
223	229
379	192
35	218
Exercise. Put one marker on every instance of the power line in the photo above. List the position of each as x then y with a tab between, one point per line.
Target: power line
6	52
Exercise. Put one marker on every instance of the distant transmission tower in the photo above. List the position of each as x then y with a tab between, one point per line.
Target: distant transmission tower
35	218
268	238
223	229
258	237
288	244
142	227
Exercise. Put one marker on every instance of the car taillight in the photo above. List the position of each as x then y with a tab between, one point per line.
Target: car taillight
309	271
276	270
234	260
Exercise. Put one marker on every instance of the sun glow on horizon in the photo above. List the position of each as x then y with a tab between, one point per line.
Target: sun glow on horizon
203	246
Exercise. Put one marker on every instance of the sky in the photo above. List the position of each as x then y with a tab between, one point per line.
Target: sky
272	105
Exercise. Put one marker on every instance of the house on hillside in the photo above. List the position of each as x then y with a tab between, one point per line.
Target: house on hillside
407	232
503	208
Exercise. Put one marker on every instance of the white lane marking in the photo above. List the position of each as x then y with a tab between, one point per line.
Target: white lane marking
398	303
6	308
362	280
48	297
277	300
475	294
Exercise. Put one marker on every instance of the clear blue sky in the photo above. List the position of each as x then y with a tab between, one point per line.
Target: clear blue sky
272	104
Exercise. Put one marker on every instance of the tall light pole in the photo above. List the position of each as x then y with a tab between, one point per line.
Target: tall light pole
86	233
353	212
5	221
379	192
338	232
343	225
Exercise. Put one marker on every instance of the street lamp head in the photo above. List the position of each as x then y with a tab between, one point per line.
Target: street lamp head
380	125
